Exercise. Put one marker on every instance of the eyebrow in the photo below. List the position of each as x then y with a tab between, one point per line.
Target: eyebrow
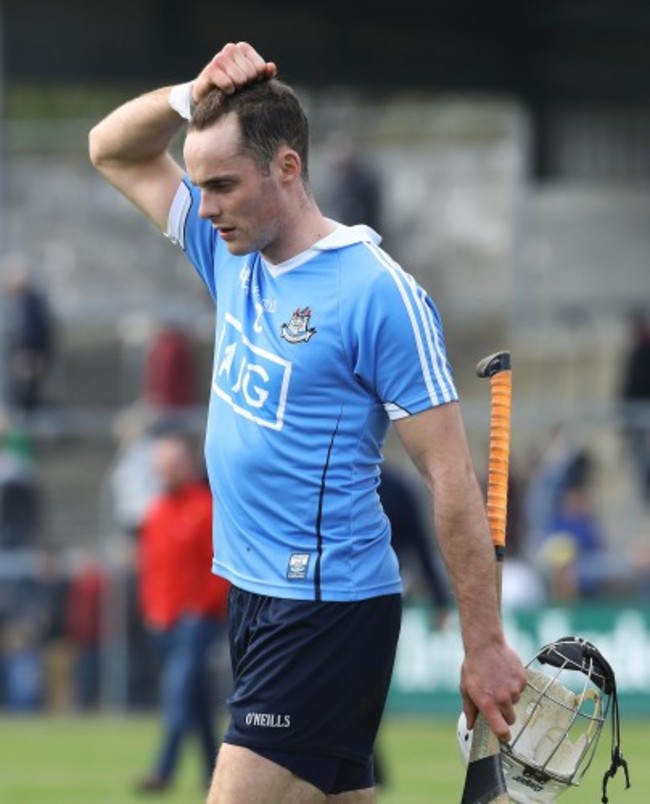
218	179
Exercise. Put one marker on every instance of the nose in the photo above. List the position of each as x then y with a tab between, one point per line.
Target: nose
208	206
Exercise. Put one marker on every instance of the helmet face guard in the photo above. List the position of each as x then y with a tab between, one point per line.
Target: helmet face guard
559	718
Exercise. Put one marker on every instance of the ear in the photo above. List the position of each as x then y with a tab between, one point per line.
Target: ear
289	164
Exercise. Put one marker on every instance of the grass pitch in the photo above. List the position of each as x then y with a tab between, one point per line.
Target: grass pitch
97	760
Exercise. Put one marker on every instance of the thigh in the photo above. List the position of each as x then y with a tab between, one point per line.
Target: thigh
243	776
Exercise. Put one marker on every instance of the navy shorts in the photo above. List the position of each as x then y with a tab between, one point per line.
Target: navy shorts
310	683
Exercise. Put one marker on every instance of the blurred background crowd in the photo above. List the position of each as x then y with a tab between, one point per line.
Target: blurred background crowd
519	196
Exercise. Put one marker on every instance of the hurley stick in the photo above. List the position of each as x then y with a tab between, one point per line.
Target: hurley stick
484	779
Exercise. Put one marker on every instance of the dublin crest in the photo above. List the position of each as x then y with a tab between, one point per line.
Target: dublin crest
298	329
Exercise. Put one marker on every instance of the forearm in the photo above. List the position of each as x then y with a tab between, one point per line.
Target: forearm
138	132
463	535
130	148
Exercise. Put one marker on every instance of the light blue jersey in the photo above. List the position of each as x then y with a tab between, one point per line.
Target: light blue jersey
313	358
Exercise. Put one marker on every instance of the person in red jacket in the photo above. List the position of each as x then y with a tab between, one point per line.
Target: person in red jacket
83	628
183	605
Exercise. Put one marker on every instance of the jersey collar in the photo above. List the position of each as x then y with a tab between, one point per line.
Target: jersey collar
347	236
341	237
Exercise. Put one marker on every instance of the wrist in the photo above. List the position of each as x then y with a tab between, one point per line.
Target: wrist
181	100
478	643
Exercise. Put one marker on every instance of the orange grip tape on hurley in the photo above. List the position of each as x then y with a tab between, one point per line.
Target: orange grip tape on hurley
498	468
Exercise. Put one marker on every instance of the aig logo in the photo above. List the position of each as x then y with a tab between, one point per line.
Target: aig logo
253	381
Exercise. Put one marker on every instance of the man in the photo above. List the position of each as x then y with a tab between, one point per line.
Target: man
635	397
182	604
321	340
30	336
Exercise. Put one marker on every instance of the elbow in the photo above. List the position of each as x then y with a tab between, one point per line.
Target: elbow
96	149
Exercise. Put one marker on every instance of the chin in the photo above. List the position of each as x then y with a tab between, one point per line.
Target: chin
239	249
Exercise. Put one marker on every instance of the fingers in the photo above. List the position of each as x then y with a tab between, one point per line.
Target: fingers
234	66
470	711
500	719
494	696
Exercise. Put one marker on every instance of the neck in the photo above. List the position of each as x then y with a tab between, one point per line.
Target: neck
306	226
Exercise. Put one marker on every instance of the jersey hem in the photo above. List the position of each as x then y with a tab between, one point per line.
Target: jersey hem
335	753
289	592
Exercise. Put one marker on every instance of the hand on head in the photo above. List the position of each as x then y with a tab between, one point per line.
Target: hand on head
234	66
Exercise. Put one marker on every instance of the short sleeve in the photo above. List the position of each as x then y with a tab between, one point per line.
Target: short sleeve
396	344
194	235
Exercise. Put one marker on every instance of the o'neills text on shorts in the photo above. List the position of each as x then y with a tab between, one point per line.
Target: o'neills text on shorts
268	721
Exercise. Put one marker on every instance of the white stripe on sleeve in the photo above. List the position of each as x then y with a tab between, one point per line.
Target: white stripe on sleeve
438	381
178	215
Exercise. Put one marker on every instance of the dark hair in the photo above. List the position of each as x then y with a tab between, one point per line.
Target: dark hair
270	115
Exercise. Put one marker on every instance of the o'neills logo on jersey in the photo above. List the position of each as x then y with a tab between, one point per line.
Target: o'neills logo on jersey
298	329
268	721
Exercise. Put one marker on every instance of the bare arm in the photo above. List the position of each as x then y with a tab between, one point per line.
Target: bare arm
492	675
130	147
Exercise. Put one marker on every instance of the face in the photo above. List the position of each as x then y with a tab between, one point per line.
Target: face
173	464
243	204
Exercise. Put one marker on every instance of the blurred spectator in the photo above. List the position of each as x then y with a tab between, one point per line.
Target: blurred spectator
412	541
635	398
571	550
353	191
29	336
22	665
84	628
26	629
183	605
38	657
50	594
559	463
419	565
169	377
16	449
133	481
522	585
20	498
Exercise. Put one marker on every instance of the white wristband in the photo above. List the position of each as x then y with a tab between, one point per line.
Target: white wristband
181	101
